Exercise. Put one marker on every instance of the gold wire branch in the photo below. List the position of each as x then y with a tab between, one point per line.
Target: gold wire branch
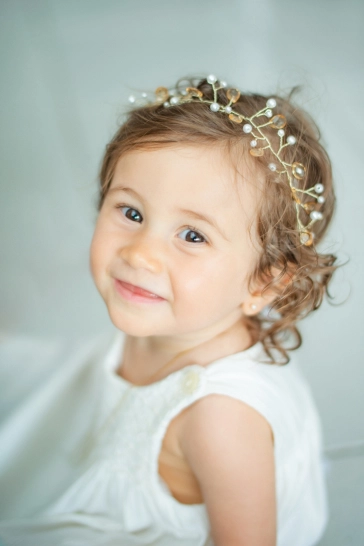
294	172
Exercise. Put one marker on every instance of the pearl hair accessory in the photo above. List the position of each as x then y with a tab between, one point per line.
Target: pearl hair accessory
254	126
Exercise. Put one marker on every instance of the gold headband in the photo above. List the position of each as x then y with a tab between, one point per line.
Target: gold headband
259	143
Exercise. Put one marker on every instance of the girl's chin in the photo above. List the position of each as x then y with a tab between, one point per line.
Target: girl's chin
135	327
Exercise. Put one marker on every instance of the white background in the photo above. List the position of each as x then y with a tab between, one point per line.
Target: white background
67	69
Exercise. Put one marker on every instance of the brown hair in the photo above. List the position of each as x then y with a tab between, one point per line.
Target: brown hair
309	272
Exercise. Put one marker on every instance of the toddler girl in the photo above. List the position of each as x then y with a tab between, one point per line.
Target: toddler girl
191	426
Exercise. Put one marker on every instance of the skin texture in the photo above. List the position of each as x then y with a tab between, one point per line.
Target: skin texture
150	233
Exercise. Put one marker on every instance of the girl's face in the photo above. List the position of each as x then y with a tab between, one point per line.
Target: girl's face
171	253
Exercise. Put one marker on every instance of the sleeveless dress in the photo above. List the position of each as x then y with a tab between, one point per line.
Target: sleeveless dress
80	446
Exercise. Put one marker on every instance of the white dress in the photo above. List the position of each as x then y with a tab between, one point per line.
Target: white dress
79	446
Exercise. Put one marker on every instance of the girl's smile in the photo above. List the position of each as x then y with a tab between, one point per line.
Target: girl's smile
135	293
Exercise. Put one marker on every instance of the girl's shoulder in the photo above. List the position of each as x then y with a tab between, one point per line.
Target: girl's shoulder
279	393
248	373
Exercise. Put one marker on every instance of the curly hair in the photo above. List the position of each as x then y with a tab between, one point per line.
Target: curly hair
308	271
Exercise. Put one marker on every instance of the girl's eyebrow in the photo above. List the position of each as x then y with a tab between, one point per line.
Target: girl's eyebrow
196	215
205	218
127	190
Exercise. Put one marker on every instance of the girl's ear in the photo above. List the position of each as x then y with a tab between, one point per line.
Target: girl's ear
262	296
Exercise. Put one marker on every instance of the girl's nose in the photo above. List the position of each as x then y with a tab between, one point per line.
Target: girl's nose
143	253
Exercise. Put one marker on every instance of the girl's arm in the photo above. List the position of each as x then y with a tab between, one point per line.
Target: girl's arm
229	447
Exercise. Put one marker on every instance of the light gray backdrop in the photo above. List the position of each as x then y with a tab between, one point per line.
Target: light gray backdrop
67	69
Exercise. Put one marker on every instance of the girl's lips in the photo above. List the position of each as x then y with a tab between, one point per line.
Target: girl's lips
135	293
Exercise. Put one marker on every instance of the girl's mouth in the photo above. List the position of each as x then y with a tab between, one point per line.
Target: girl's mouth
134	293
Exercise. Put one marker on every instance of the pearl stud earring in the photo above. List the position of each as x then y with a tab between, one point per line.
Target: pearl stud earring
253	306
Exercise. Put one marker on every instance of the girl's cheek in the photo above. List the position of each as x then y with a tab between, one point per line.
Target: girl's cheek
93	261
96	254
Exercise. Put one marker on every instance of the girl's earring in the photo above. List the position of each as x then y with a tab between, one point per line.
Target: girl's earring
253	307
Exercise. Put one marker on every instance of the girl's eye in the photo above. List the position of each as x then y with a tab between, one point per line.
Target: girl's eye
132	214
192	236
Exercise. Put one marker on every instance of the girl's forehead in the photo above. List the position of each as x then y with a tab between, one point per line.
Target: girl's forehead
207	172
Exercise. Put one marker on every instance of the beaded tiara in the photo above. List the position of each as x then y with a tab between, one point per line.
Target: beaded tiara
254	126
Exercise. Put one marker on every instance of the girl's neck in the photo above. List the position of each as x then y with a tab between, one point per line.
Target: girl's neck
145	361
